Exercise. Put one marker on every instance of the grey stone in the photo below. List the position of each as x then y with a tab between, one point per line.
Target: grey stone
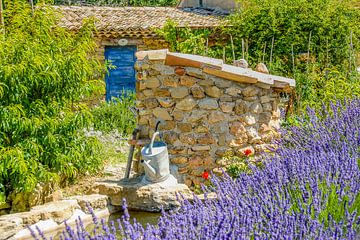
250	91
197	91
179	92
186	104
256	108
152	82
222	83
233	91
206	82
161	113
216	116
142	196
95	201
209	104
213	91
195	72
227	107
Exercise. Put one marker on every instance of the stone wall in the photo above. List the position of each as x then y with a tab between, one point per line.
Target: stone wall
205	117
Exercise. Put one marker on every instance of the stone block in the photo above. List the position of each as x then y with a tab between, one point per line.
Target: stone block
187	139
237	129
188	81
227	107
248	119
256	108
206	82
241	107
222	83
197	91
151	103
95	201
152	82
233	91
148	93
201	148
180	71
250	91
197	116
161	92
216	117
179	160
179	92
206	138
186	104
170	81
201	129
184	127
162	113
166	102
213	91
208	104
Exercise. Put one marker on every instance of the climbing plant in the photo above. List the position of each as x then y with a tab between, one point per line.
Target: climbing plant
45	71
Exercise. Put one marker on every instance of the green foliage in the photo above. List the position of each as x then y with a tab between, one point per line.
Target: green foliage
136	3
315	42
44	72
116	114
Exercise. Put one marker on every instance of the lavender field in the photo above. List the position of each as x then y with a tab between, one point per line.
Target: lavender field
308	189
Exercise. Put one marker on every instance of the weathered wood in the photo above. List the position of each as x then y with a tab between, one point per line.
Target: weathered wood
230	75
152	54
188	60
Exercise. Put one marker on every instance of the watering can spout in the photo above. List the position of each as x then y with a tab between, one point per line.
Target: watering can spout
148	168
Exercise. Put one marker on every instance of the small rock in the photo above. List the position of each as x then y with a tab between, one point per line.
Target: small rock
256	108
237	129
213	91
241	63
249	119
161	113
187	139
170	81
222	83
227	107
166	102
188	81
186	104
250	91
163	69
226	98
152	82
196	116
179	92
208	104
195	72
151	103
178	115
265	99
261	67
201	129
206	82
267	107
205	139
184	127
215	117
241	107
179	71
197	91
161	92
179	160
233	91
201	148
148	93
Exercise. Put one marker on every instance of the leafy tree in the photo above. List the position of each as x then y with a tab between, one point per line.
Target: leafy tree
44	72
135	3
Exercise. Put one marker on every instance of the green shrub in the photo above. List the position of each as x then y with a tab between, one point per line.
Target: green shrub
45	70
315	42
119	2
116	114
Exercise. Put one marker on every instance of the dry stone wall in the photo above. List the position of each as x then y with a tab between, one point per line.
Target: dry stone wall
205	117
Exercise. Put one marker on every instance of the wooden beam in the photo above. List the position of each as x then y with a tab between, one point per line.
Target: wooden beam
230	75
189	60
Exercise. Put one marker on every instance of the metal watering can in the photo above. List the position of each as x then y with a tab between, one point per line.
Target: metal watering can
155	160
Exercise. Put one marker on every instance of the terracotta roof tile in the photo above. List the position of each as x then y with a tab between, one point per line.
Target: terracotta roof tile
121	19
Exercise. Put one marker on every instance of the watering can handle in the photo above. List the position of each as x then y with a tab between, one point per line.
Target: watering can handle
152	141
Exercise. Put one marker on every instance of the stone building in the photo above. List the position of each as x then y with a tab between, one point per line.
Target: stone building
209	109
121	31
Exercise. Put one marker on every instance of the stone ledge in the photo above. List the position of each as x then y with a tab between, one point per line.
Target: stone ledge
142	196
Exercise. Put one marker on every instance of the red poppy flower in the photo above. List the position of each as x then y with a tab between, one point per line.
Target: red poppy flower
205	175
247	152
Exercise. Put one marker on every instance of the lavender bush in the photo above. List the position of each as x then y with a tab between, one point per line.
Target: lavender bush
308	189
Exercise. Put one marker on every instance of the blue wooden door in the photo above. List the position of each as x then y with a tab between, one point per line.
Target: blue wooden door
122	77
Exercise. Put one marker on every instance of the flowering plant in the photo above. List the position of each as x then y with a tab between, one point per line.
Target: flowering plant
308	189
